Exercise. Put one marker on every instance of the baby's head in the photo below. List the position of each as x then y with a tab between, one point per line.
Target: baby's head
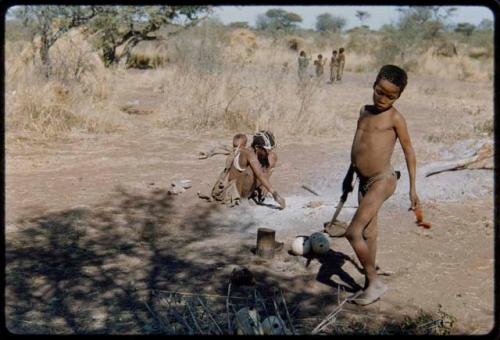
320	56
390	83
302	53
239	140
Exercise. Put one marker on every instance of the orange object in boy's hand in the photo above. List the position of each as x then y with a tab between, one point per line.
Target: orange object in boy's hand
418	214
420	219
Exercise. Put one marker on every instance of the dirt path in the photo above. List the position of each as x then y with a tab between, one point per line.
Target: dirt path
91	230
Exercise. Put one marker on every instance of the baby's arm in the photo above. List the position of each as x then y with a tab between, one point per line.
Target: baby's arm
404	139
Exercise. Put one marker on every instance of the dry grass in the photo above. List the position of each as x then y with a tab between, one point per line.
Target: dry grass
209	78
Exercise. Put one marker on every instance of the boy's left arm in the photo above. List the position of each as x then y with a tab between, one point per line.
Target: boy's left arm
404	139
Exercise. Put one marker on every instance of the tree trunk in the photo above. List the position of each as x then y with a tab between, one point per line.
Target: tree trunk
44	55
266	242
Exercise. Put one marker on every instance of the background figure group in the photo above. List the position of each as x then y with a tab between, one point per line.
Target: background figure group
337	63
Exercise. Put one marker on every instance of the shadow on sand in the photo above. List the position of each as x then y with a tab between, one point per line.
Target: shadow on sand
96	270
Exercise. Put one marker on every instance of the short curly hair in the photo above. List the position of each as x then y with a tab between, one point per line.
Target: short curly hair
393	74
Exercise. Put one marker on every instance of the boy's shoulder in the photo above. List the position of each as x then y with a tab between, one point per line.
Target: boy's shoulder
395	112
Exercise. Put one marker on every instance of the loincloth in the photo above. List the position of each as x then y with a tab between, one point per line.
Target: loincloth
366	182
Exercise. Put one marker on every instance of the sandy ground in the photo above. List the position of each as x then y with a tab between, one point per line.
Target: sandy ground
91	231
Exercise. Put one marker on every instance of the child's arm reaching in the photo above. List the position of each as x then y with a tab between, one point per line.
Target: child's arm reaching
404	139
259	173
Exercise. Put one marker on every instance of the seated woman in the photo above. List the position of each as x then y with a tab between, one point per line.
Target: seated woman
249	172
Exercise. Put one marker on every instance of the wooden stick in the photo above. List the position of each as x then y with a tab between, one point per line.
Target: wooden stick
181	320
207	310
287	314
178	317
282	323
194	318
310	190
326	321
195	294
160	321
262	301
227	308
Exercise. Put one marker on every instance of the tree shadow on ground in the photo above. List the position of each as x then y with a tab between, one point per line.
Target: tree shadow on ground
96	270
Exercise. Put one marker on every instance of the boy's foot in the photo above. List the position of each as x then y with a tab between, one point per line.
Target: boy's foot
335	229
371	294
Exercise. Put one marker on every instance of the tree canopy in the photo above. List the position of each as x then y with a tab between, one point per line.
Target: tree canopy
111	25
278	19
327	22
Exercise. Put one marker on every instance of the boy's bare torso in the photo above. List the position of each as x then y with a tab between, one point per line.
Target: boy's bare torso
374	142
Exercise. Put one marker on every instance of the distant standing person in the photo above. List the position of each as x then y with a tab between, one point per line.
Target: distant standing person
341	63
319	64
334	66
303	63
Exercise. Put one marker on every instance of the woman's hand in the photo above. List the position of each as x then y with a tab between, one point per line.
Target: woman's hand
280	200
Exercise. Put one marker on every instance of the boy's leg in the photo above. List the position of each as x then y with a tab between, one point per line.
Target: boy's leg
361	234
370	235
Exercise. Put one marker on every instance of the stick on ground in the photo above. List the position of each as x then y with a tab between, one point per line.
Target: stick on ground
331	317
310	190
227	308
287	314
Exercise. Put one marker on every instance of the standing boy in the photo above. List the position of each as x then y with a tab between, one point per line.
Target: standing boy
319	64
303	61
378	128
341	63
334	66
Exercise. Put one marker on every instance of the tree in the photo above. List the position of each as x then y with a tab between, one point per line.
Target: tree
51	22
415	28
465	28
329	23
485	24
422	23
277	19
239	24
112	25
362	16
126	26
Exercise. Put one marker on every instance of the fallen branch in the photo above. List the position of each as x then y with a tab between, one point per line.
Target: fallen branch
261	300
197	294
207	310
310	190
331	317
282	323
179	318
287	314
160	321
193	318
227	308
482	159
